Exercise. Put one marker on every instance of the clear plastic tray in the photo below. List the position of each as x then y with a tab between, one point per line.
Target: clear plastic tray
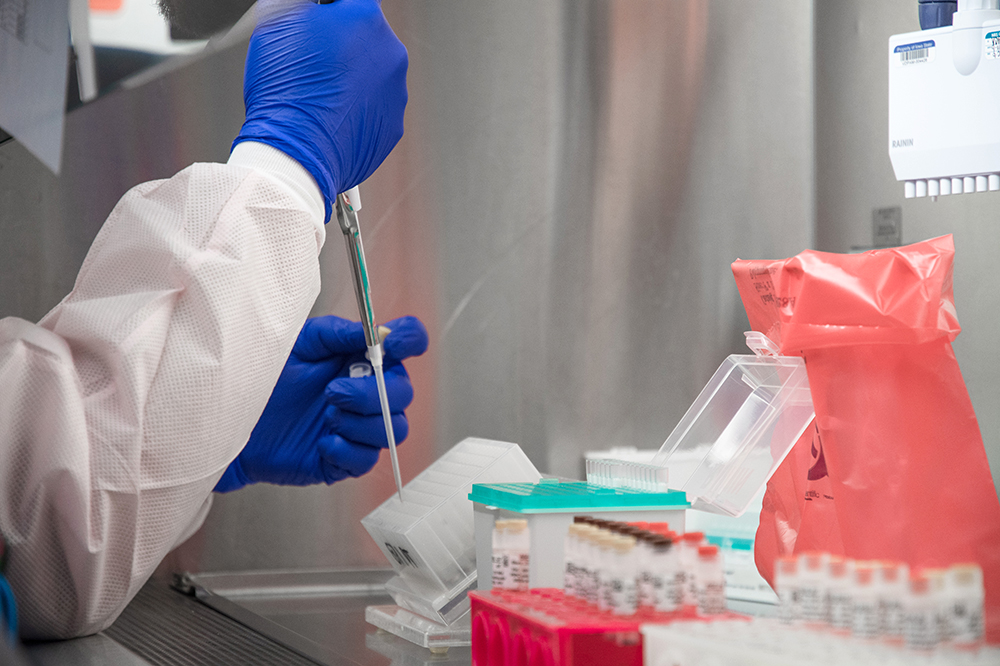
419	630
430	538
738	430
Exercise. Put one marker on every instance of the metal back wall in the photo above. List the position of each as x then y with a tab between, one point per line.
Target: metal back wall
575	179
854	177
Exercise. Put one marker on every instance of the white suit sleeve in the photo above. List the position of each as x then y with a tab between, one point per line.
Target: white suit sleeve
121	409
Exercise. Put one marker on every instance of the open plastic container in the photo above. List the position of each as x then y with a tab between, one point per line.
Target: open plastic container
430	538
740	427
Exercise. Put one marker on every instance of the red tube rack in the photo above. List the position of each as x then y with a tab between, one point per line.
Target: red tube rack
544	627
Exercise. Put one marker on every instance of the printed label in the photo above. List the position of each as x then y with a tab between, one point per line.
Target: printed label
915	53
841	610
623	596
891	611
663	591
676	590
712	599
788	610
811	604
605	596
645	589
594	587
920	628
498	570
401	556
993	45
865	623
519	569
966	622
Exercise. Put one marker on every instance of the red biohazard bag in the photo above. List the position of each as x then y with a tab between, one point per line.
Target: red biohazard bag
894	466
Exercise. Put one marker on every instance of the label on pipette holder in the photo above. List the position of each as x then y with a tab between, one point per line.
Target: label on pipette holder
914	54
993	45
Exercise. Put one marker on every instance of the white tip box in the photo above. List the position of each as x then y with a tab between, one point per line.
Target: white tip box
430	538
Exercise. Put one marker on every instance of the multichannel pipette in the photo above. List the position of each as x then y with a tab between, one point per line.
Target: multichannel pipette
348	205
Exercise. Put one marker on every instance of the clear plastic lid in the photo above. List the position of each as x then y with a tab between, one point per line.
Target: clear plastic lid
737	431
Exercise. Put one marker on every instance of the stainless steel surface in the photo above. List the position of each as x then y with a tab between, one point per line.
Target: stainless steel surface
347	218
97	650
319	614
854	177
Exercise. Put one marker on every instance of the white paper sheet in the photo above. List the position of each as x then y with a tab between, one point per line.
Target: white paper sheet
34	51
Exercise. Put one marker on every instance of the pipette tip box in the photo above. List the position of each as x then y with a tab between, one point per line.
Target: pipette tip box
429	539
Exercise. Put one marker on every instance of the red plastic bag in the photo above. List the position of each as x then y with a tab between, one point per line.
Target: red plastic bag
894	467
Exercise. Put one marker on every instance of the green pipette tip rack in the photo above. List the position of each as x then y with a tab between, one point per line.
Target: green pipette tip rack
559	496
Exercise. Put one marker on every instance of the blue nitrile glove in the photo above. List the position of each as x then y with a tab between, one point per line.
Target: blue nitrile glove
321	425
326	85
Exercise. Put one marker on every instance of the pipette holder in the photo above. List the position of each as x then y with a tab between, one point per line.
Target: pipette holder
944	90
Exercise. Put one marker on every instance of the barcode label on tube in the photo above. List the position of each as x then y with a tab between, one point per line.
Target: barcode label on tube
914	54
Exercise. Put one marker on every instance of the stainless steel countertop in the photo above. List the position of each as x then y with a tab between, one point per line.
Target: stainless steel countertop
319	614
250	619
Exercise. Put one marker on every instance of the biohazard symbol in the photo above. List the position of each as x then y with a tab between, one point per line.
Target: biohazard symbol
818	469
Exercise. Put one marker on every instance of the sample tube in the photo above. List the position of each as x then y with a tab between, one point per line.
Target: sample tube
966	616
664	566
623	574
939	593
501	561
593	559
786	579
812	600
920	622
690	543
571	556
519	548
644	567
838	593
865	622
605	558
892	583
711	581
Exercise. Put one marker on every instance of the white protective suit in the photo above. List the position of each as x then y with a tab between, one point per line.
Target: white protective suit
121	409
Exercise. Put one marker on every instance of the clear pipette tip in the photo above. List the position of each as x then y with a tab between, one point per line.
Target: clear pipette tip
390	435
375	355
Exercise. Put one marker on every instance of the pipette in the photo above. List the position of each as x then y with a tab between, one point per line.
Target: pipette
348	204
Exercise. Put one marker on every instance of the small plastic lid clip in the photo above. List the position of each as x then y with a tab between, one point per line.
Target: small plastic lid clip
761	345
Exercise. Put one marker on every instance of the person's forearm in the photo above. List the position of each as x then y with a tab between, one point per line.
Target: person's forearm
127	402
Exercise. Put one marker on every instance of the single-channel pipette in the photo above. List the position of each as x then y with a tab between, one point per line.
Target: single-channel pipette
348	205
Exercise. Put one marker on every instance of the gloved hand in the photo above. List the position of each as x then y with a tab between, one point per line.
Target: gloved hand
321	425
326	85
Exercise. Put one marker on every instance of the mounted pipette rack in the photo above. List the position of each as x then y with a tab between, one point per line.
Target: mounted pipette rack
944	92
